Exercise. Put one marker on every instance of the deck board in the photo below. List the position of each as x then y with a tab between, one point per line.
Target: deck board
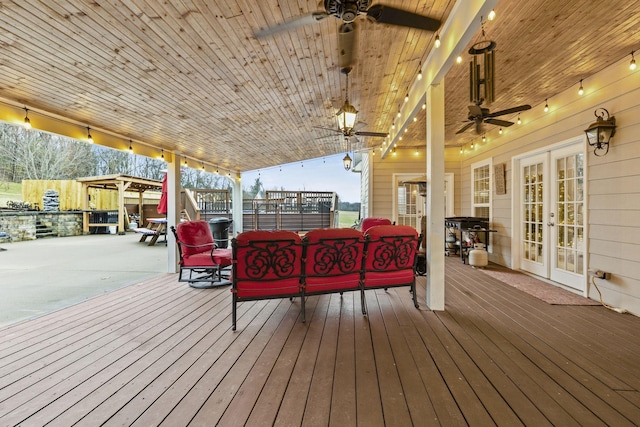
162	353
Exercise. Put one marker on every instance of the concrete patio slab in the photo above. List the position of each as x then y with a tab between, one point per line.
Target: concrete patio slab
44	275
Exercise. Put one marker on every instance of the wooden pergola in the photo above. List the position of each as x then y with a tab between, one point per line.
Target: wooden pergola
118	182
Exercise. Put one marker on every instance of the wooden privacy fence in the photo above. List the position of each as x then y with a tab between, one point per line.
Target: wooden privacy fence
70	195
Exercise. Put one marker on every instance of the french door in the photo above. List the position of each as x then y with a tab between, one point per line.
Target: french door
552	220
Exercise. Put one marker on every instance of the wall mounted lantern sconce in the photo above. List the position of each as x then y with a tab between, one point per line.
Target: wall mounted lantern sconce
600	132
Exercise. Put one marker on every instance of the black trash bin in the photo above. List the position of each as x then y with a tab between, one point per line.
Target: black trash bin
220	230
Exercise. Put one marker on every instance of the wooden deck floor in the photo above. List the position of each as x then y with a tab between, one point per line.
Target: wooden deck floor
161	353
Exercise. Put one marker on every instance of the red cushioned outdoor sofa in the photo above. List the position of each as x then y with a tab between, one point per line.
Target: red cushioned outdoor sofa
278	264
201	262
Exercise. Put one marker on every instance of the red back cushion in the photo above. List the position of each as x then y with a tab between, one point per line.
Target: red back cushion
333	259
390	248
268	263
367	223
333	251
196	236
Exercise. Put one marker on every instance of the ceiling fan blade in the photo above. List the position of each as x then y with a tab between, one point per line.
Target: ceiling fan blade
499	122
292	23
509	111
465	127
329	129
346	42
380	134
359	125
390	15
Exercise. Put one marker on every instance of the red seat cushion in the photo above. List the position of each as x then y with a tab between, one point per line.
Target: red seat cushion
221	256
194	237
333	260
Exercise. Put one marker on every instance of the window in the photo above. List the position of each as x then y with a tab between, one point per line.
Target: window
481	189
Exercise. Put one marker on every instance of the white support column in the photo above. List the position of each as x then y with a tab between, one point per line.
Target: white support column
236	197
435	196
173	211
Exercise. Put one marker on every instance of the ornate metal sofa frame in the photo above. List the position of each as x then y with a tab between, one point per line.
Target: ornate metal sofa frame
279	264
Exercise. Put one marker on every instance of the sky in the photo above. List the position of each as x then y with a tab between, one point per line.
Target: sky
323	174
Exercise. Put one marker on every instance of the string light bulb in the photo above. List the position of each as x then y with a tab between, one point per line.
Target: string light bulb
461	150
89	137
130	147
492	15
546	106
398	113
27	121
632	64
580	89
472	145
500	131
459	59
162	154
437	42
484	138
519	121
420	70
406	98
424	105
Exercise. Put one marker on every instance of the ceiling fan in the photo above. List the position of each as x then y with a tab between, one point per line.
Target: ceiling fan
347	11
346	116
478	116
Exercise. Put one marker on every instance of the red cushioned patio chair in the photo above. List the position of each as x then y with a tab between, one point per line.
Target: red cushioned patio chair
201	262
390	255
332	261
266	265
367	223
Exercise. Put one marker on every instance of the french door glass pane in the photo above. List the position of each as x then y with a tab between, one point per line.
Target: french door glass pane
569	246
533	187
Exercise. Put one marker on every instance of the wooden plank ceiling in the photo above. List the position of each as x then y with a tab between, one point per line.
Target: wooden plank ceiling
189	76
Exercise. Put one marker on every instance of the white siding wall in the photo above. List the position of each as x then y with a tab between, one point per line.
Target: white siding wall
613	203
404	161
364	185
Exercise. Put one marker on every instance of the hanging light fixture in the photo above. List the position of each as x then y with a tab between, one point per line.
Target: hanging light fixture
580	89
600	132
437	42
546	106
632	64
348	113
346	162
27	122
89	137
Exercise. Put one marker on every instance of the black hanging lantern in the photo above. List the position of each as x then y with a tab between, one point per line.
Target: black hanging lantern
600	132
346	162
